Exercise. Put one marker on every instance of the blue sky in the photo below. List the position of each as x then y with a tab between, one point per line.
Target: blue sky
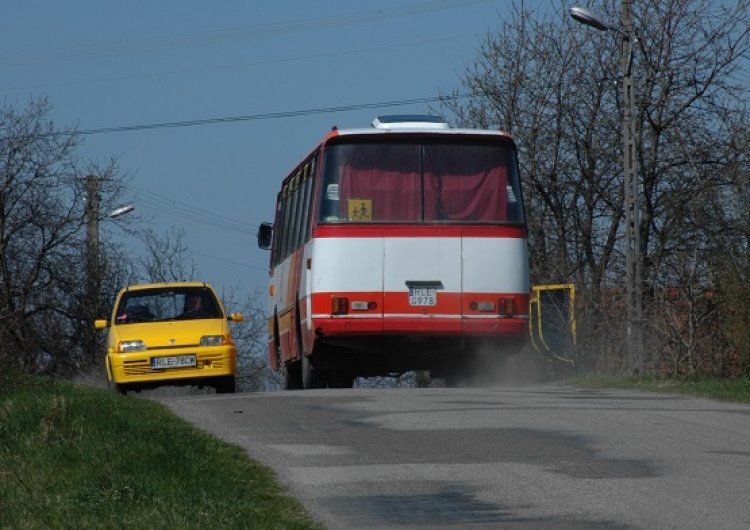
106	64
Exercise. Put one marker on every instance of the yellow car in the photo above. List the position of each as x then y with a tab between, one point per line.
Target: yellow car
167	334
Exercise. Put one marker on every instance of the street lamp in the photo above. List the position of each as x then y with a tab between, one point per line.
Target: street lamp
631	195
584	16
122	210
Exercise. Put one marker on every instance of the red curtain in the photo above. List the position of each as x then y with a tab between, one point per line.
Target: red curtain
461	183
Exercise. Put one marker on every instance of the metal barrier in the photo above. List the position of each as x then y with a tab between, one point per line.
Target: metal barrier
552	322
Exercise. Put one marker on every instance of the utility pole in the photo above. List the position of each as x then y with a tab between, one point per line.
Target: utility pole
631	204
92	265
633	263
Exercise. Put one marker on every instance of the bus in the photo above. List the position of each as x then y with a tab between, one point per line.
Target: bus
395	248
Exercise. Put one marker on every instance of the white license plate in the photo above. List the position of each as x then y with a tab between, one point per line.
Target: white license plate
422	296
175	361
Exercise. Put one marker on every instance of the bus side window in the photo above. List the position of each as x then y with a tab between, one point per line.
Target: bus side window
277	225
307	186
285	234
331	203
294	217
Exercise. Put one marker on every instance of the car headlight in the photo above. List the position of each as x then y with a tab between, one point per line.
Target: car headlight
127	346
213	340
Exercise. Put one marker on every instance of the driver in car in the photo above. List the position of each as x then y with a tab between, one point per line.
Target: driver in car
194	306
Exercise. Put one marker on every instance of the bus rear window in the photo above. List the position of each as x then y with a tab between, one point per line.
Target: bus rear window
429	181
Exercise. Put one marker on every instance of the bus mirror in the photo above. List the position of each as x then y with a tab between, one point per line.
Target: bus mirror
265	232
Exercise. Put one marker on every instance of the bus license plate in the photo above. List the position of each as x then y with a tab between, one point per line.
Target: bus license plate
175	361
422	296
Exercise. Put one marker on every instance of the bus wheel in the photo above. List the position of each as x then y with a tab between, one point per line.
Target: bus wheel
462	372
341	379
312	378
293	376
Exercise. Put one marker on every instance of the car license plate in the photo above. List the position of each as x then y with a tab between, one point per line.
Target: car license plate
175	361
422	296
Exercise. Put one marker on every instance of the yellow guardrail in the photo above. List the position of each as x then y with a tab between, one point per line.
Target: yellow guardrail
552	321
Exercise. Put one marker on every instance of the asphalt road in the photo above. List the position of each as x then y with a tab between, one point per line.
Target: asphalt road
536	457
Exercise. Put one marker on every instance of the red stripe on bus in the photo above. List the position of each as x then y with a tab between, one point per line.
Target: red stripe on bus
450	303
343	326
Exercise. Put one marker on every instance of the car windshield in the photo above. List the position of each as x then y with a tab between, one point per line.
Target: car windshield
160	304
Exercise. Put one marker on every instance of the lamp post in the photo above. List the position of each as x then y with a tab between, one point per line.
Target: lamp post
631	205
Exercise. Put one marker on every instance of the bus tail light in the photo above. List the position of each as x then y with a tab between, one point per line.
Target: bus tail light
506	306
339	305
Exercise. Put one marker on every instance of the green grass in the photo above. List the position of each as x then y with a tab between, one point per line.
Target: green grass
79	457
733	390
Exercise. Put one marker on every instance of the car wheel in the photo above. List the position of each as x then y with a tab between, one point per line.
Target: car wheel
226	385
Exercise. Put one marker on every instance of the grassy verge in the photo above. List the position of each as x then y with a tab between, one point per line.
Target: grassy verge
734	390
80	457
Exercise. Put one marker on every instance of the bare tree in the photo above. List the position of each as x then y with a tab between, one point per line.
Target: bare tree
168	258
251	336
535	79
48	229
42	221
555	85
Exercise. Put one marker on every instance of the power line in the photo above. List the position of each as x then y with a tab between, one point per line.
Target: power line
171	207
174	208
230	262
264	61
176	213
200	38
270	115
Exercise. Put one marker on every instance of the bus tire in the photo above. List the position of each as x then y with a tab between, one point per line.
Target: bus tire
312	378
293	376
341	379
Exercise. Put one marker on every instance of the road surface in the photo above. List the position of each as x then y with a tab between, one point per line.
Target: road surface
536	457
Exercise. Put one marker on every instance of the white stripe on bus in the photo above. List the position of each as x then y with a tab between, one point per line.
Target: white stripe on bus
378	316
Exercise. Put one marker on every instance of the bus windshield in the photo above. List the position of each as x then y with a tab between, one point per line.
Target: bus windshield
441	180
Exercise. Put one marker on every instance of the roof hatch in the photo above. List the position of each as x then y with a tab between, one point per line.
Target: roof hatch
409	122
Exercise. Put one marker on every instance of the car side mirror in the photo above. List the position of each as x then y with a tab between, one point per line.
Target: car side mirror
236	317
101	324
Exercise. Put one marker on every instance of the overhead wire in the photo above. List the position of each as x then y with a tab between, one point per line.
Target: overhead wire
174	208
230	262
264	61
169	206
270	115
184	214
200	38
